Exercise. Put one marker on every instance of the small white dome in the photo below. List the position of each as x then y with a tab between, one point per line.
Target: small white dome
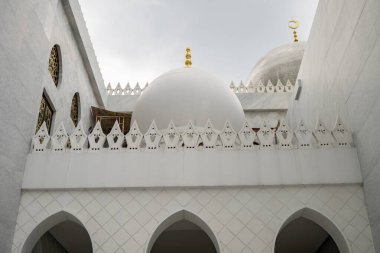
188	94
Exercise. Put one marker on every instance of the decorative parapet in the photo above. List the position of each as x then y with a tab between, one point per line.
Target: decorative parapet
250	87
190	137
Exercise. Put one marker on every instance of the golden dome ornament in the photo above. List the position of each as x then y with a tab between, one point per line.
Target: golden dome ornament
188	62
294	24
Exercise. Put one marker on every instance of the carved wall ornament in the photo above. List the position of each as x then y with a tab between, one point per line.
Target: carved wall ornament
304	136
288	86
171	137
342	135
78	138
266	136
190	136
152	137
269	88
323	135
242	88
228	136
115	138
209	136
59	139
137	89
247	136
41	139
118	90
97	138
260	88
284	135
279	86
134	137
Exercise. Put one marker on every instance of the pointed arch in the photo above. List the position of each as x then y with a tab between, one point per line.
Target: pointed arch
324	222
46	225
178	216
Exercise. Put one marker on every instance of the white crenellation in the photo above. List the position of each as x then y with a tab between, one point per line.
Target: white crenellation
266	136
228	136
260	87
41	139
78	138
137	90
242	88
323	135
97	138
279	86
250	87
232	86
115	138
171	137
190	137
109	89
304	136
288	86
59	139
284	135
247	137
118	90
127	90
342	135
269	88
209	136
152	137
134	137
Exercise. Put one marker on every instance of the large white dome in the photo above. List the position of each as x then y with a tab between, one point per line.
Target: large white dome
188	94
282	63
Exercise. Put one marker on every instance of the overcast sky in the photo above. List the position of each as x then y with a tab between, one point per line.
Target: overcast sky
138	40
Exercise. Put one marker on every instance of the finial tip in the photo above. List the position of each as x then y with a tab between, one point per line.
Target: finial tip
294	24
188	62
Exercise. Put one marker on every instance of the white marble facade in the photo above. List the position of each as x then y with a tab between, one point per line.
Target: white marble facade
242	219
242	210
28	32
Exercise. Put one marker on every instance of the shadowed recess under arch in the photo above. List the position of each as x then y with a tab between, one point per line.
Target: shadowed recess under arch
182	221
62	229
308	230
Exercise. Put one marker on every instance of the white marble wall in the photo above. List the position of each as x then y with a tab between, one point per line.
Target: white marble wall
28	31
243	219
340	74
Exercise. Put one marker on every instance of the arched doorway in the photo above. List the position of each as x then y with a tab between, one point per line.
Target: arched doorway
59	233
183	232
309	231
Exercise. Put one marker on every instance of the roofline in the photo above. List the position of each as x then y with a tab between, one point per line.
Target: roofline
82	37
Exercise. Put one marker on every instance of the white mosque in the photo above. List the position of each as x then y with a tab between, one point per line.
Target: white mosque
284	162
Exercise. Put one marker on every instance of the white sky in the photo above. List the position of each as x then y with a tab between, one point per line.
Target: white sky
138	40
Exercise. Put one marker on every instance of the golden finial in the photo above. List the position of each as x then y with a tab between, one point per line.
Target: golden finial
294	24
188	58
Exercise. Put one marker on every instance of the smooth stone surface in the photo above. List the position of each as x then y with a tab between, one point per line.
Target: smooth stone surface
105	169
340	75
28	31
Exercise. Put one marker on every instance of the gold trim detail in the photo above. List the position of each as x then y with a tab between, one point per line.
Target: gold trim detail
294	24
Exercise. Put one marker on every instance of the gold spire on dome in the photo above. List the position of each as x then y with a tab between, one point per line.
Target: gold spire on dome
294	24
188	62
